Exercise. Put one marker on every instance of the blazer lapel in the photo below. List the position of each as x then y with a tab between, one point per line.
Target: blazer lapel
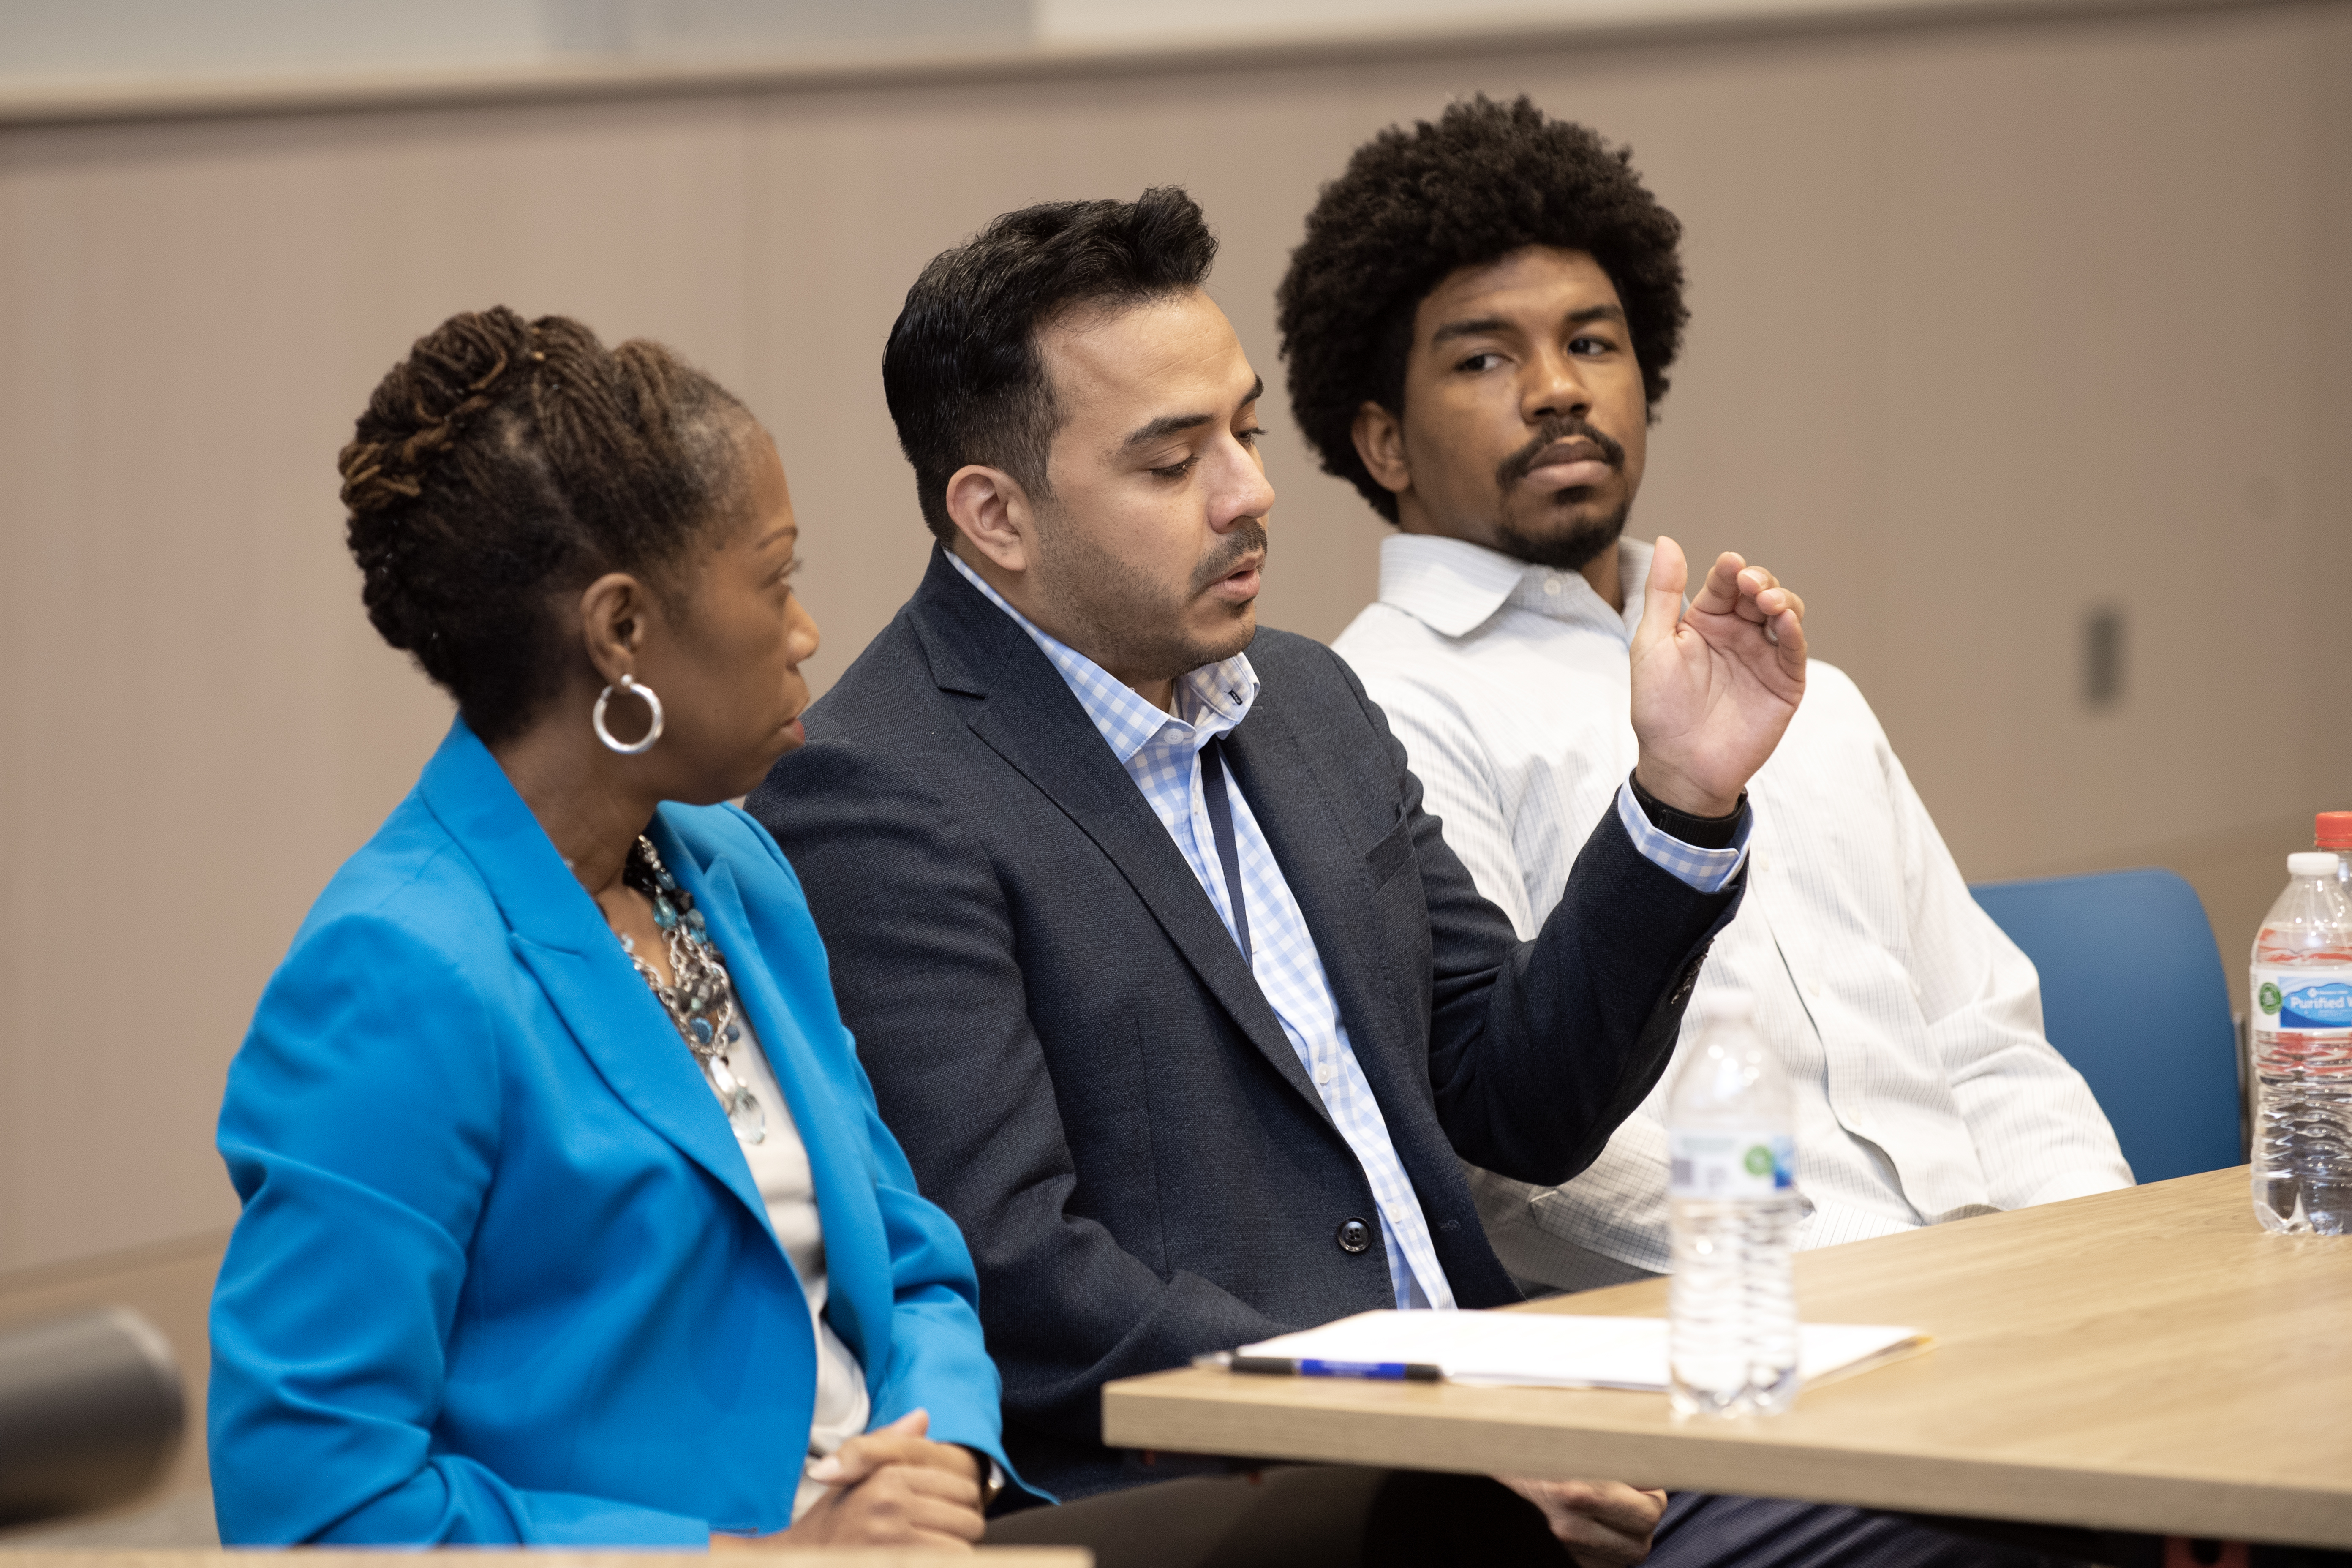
1028	715
856	1251
563	939
1326	873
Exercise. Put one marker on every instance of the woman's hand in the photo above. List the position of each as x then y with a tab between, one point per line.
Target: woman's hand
892	1487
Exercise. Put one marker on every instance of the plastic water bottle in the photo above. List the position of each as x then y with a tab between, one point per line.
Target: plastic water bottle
1732	1304
2333	832
2302	990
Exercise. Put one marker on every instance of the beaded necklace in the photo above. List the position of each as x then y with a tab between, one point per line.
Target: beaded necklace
702	1001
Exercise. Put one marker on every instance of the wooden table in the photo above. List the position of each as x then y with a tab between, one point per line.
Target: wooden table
310	1557
2147	1359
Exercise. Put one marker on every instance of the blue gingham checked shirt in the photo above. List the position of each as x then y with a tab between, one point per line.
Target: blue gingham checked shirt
1160	751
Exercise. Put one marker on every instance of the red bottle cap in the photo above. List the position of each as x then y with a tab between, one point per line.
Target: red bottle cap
2333	831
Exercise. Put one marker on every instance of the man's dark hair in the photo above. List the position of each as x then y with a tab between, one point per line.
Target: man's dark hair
505	462
1414	206
961	371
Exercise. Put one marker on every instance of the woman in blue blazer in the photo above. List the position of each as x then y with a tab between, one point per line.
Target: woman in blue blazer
569	1220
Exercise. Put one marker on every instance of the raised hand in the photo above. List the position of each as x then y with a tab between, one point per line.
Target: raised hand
1714	687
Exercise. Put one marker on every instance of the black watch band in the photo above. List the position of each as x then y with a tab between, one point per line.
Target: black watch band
1700	832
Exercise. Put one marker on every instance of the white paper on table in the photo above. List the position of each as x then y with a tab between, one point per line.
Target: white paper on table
1556	1350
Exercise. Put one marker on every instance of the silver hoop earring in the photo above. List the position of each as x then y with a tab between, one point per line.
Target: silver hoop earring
630	688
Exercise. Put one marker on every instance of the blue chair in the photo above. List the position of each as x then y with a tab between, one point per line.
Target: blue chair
2132	996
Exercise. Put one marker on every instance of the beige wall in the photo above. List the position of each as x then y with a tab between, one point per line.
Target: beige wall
1992	324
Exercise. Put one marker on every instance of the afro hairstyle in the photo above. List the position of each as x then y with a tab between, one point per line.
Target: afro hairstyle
1416	205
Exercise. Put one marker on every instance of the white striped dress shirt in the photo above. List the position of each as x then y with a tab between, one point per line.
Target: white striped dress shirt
1910	1026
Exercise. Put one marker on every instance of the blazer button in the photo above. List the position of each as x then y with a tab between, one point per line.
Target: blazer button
1355	1235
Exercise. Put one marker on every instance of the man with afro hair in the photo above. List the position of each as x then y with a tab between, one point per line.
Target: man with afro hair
1478	328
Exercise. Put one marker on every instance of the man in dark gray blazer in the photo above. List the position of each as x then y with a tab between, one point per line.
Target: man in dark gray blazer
1173	993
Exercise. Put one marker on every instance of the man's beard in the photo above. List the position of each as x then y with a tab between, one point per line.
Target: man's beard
1126	618
1568	552
1572	550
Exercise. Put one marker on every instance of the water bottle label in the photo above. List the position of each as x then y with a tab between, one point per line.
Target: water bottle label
1713	1163
2298	999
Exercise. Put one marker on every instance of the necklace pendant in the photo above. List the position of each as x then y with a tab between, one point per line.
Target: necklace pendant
745	1115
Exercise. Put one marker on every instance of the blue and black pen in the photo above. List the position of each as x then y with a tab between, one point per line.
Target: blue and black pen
1309	1366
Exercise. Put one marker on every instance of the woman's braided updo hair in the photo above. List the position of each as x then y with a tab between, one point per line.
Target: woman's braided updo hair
506	463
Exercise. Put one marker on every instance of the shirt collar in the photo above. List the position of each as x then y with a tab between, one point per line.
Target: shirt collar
1210	700
1453	587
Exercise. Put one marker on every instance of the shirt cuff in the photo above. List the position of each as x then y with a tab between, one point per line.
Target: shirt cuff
1707	870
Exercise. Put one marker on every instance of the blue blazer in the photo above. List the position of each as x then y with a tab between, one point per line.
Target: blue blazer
502	1275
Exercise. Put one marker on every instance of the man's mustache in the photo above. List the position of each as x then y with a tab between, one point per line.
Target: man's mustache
1555	430
1243	540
